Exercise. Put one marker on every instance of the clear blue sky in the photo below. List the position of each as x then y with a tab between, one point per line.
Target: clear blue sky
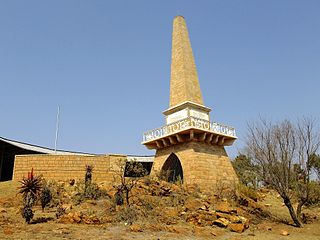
107	64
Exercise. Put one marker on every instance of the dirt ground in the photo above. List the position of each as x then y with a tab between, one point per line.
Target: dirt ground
45	225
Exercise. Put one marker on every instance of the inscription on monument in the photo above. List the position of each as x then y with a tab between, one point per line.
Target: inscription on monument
188	123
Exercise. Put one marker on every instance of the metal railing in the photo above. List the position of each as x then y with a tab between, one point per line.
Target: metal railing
186	123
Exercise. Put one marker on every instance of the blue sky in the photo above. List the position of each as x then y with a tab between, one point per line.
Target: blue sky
107	64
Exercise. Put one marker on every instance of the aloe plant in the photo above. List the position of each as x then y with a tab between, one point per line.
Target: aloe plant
29	189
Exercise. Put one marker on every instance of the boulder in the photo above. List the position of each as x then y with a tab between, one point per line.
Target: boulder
193	204
225	207
236	227
221	222
235	219
245	221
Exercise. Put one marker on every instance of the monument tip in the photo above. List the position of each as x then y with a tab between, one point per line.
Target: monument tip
179	16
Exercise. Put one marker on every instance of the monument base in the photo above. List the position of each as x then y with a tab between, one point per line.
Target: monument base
194	162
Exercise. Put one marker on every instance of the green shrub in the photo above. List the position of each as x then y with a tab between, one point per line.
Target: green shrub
127	215
87	191
92	191
45	197
247	191
58	193
27	213
314	194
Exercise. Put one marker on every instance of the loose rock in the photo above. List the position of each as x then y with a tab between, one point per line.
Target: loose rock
135	228
236	227
284	233
221	222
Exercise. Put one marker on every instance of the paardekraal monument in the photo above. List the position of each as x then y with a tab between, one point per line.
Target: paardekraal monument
189	147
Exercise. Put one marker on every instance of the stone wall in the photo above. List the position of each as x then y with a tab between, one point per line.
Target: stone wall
203	164
65	167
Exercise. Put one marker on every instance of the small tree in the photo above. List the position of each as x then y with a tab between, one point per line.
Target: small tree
283	154
308	143
129	173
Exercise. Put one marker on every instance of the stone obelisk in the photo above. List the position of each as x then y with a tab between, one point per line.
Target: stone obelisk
189	147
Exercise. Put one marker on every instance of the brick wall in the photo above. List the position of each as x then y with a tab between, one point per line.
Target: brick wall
65	167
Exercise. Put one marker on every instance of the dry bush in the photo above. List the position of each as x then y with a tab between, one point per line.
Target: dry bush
225	190
87	191
247	191
128	215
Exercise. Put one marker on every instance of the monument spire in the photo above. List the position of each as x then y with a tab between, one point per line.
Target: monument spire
184	83
189	147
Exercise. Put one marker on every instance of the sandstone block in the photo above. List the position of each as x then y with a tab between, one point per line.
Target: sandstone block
236	227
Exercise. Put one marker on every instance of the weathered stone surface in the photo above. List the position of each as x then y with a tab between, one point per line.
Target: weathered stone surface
245	221
284	233
236	227
236	223
223	207
221	222
184	84
193	204
203	164
234	219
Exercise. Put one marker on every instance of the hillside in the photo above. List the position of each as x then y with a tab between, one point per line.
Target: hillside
158	210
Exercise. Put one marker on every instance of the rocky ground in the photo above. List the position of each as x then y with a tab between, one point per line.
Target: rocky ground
158	210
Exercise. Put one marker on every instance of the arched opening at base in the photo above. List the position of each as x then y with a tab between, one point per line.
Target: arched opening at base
172	169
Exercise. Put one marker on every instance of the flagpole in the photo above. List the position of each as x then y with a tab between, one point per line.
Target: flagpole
57	130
